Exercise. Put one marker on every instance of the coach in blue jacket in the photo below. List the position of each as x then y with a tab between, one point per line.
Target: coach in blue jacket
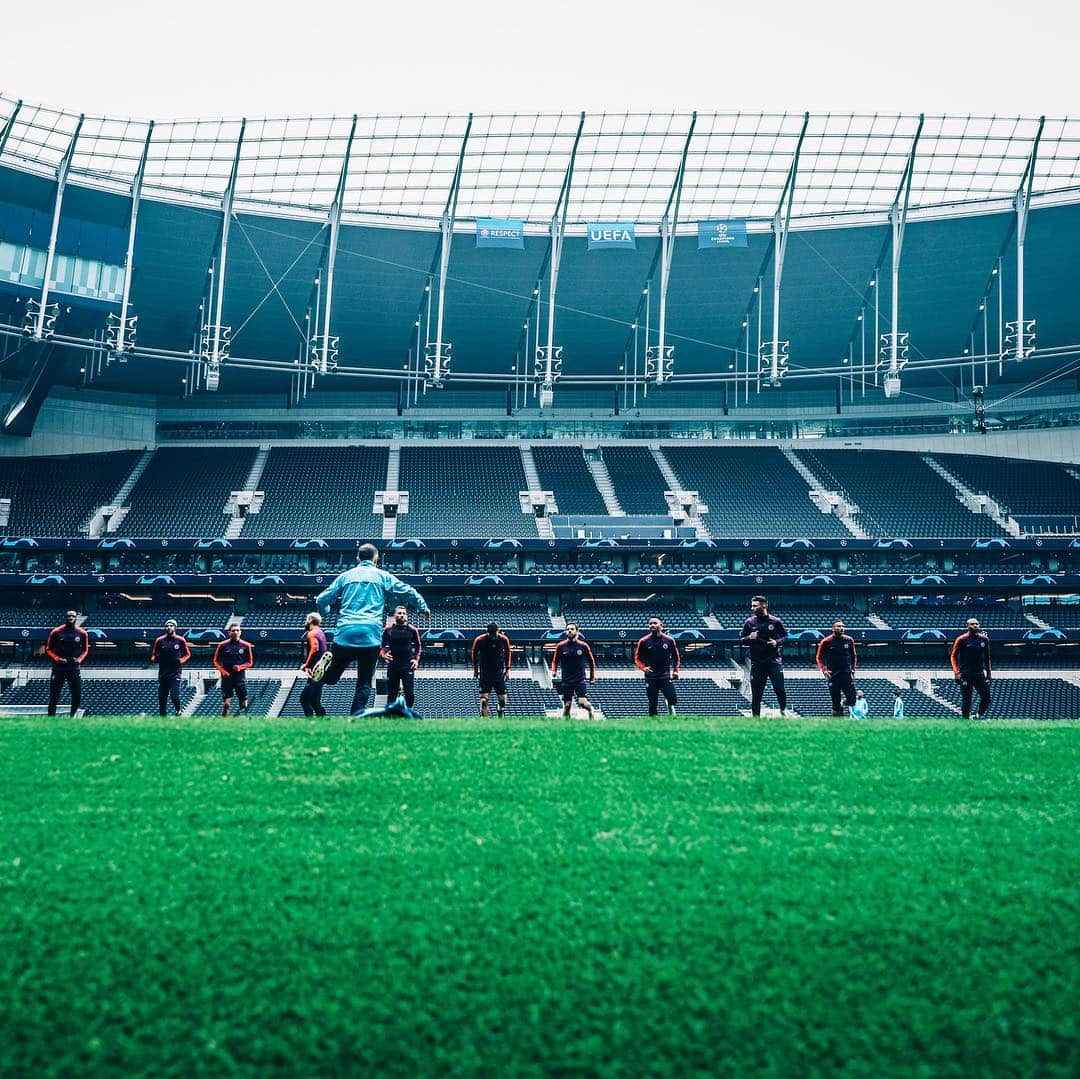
364	593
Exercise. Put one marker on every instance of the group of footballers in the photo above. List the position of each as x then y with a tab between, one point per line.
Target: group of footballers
362	636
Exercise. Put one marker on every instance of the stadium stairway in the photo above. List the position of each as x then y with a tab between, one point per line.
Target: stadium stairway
846	511
976	503
534	495
107	517
603	483
393	475
680	497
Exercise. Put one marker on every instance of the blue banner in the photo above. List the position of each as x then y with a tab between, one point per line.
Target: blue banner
498	232
609	234
714	234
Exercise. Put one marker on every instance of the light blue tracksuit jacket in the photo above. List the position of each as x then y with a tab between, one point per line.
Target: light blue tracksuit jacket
364	592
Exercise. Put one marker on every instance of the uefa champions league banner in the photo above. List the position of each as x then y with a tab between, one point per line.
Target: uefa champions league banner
500	232
712	235
605	235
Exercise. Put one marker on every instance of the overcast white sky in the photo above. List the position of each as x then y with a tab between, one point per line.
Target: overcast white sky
297	57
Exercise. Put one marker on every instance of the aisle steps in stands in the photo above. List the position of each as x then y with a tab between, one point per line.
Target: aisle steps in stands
527	462
288	679
975	503
679	499
107	518
535	495
200	695
604	485
249	496
926	686
393	475
820	496
876	620
1038	622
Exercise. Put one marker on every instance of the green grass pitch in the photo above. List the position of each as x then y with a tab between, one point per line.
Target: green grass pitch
527	897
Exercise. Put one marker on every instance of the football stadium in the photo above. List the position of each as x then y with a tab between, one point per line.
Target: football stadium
723	470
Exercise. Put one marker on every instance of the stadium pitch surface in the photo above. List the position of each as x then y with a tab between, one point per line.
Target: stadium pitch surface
290	897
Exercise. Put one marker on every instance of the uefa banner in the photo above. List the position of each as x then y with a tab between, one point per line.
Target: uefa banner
500	232
712	235
605	235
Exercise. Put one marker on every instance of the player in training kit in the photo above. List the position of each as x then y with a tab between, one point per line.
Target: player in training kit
314	649
657	655
401	650
765	635
170	652
578	665
234	657
970	659
363	592
836	659
67	647
491	666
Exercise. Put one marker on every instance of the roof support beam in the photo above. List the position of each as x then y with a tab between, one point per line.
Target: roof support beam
438	363
123	338
38	327
897	342
663	357
547	355
217	336
325	347
9	126
777	349
1024	330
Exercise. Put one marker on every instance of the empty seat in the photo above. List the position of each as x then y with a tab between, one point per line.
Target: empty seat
751	491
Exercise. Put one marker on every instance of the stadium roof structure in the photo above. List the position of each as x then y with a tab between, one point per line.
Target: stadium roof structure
347	245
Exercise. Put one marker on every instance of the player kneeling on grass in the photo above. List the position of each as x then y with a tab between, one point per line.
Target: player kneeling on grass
491	666
575	657
233	657
836	659
657	655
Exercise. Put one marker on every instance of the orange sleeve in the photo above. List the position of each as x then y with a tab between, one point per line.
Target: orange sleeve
952	655
217	652
251	659
49	650
854	656
678	658
86	647
638	661
509	652
817	657
311	647
555	657
592	662
187	651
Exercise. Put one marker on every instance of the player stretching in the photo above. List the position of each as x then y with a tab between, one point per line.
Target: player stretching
491	667
574	656
657	655
765	635
68	645
970	659
836	659
170	652
363	592
233	657
314	649
401	650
